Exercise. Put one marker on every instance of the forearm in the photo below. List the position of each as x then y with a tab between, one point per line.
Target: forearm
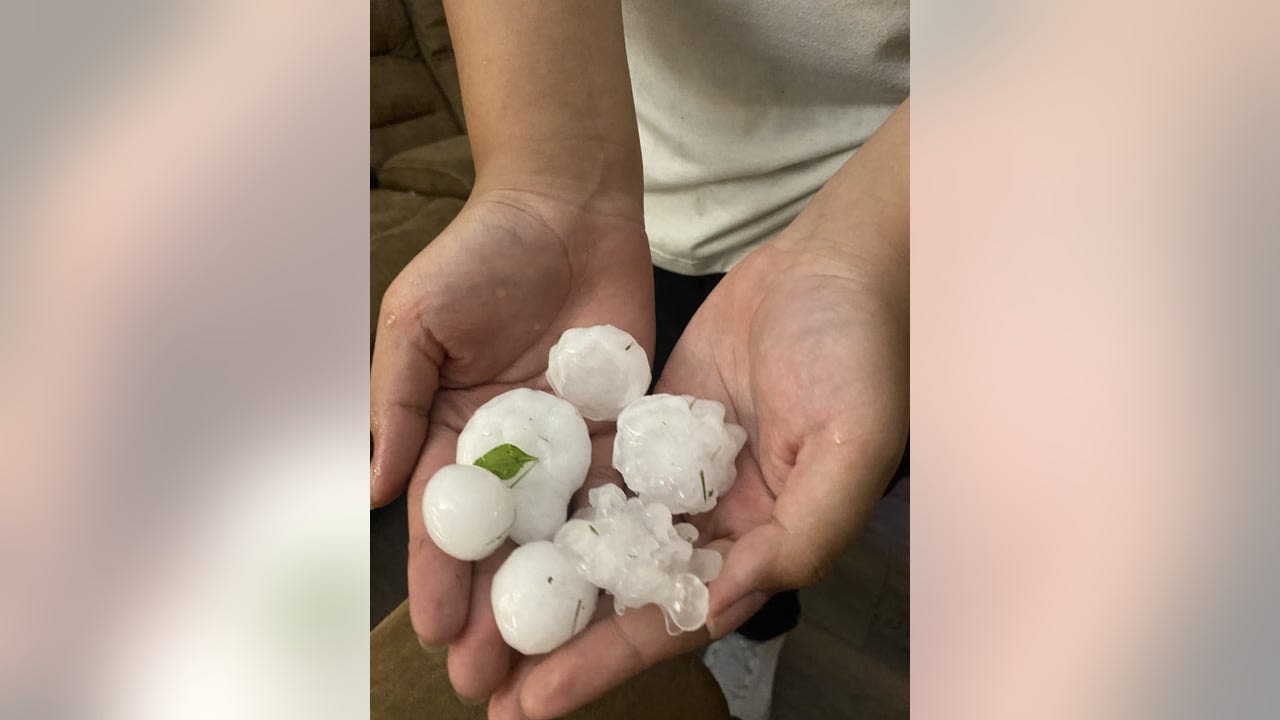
547	98
862	217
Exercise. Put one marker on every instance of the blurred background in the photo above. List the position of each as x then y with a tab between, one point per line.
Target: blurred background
184	360
184	283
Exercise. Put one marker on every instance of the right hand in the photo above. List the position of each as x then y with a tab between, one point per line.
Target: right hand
472	316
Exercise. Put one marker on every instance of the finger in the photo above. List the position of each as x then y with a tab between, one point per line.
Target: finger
504	704
826	500
439	585
478	658
611	650
746	572
733	616
599	659
403	379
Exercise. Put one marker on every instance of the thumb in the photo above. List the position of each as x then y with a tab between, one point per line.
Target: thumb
826	499
403	378
746	572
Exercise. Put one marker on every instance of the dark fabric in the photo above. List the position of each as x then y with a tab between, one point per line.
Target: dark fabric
904	467
676	299
779	614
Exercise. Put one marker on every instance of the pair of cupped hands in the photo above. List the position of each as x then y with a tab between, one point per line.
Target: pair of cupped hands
798	343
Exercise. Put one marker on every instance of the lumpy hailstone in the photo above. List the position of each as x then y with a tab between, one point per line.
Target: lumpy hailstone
677	450
468	511
631	549
539	600
549	429
599	369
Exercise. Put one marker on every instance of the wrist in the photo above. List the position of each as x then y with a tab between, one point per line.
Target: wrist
874	256
590	177
589	220
861	219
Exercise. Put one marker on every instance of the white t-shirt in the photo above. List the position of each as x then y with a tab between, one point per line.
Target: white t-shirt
747	107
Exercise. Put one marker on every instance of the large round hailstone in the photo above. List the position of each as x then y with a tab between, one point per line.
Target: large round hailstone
599	369
677	450
547	430
539	599
631	550
543	513
468	511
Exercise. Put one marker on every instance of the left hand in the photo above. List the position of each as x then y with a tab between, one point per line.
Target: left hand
807	351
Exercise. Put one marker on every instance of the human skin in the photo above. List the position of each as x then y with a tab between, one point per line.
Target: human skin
553	238
806	343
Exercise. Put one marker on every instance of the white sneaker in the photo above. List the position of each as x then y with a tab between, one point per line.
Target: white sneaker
745	669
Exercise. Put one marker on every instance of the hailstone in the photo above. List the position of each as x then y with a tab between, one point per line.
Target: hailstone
630	549
539	599
550	432
468	511
599	369
677	450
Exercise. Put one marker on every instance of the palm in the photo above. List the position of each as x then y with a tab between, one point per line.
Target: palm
500	285
799	357
472	316
813	367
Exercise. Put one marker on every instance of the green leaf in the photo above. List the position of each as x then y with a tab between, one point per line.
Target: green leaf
703	477
593	529
505	461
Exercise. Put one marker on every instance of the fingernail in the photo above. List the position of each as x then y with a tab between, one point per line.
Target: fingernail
469	702
432	649
731	617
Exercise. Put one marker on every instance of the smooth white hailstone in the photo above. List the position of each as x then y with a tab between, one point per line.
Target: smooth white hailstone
599	369
539	513
539	599
677	450
545	427
468	511
631	550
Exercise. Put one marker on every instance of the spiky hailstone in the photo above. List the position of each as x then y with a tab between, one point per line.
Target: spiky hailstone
599	369
677	450
539	599
631	549
549	432
468	511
